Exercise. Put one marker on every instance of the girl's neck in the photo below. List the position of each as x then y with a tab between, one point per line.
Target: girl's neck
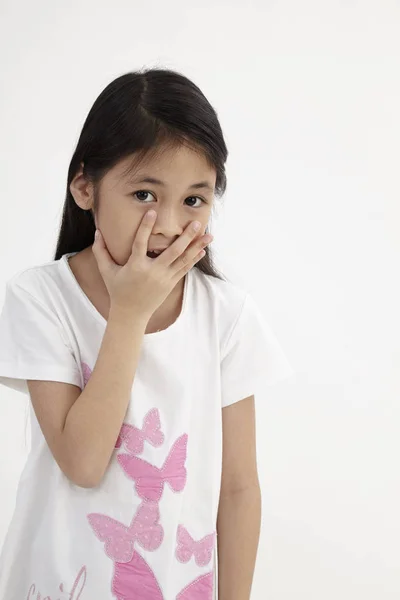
84	267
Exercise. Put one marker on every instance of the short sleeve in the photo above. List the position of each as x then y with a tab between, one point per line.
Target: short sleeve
32	342
252	356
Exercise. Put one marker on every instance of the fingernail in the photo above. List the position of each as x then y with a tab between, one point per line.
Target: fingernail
96	234
196	226
150	214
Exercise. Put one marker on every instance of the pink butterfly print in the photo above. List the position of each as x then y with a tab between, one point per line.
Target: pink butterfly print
86	370
187	547
136	579
133	438
149	479
199	589
119	539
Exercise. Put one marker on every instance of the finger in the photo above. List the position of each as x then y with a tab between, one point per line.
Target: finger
176	249
192	255
196	247
102	255
183	264
141	242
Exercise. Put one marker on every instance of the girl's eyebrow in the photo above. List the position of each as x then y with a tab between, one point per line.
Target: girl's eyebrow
200	185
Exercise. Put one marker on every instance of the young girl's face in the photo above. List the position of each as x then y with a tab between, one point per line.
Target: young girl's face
124	199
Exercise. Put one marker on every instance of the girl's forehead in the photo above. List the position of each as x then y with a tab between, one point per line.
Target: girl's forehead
186	164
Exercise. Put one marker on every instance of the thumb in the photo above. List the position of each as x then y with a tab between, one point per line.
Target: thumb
102	255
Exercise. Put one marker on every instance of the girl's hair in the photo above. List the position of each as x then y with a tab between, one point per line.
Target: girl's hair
143	112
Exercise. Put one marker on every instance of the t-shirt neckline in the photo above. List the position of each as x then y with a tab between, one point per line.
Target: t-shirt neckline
148	337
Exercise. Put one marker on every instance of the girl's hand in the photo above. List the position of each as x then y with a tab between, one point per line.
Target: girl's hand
143	283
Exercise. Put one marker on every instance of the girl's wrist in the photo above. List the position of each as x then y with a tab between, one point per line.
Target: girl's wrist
127	317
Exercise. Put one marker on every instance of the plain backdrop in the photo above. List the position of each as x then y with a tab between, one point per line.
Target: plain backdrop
308	95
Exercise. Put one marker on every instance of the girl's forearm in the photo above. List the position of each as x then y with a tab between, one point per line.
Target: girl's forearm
94	421
238	529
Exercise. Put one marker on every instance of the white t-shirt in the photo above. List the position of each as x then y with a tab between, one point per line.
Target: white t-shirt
148	531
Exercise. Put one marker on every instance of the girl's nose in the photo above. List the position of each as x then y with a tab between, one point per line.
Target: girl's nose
167	224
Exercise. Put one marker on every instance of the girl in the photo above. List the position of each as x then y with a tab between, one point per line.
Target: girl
141	364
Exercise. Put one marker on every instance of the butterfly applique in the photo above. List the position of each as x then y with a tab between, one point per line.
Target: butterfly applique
133	438
86	370
136	579
187	547
120	539
150	480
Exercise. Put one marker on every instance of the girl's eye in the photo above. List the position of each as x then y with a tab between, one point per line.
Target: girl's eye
141	192
144	200
194	198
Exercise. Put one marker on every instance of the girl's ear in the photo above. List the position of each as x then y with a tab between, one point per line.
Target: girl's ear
82	190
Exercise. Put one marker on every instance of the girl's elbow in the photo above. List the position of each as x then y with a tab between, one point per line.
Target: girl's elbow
86	482
83	469
83	475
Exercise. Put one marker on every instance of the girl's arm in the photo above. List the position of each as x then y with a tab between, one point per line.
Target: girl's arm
239	512
82	427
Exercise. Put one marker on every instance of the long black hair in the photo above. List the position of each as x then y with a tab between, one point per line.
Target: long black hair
140	112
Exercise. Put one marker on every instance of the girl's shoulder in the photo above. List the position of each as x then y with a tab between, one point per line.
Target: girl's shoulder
224	291
224	297
40	280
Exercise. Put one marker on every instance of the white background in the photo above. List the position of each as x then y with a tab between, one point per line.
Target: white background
308	95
